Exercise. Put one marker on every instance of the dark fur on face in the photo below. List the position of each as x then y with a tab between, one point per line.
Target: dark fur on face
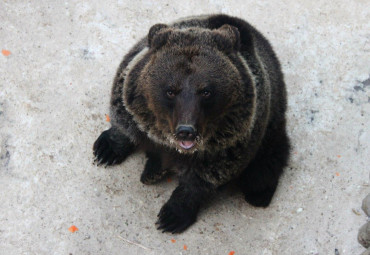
190	80
204	97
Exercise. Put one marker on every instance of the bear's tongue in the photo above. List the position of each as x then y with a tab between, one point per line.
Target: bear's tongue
186	144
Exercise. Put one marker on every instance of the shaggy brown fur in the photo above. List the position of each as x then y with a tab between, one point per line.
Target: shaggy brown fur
205	97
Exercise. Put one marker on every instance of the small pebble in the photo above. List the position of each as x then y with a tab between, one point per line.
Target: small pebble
364	235
97	192
299	210
366	205
355	211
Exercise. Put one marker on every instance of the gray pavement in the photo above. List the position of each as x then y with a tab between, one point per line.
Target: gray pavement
55	86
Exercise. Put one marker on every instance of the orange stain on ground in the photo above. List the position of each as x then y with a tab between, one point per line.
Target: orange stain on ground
73	229
5	53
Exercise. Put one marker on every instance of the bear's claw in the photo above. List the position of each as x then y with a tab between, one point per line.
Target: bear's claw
174	219
110	152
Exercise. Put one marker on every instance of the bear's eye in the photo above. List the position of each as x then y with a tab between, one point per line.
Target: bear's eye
170	94
206	94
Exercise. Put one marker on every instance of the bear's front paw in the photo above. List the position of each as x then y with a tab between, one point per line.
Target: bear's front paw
110	152
175	218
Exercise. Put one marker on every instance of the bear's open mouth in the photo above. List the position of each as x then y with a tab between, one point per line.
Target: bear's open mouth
186	144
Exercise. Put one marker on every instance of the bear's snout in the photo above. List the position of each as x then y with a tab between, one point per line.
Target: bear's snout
186	134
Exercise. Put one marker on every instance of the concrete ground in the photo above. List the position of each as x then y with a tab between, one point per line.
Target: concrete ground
56	68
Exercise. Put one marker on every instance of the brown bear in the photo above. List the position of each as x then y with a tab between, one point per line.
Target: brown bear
204	97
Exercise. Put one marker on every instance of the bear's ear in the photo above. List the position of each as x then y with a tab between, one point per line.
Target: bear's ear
227	38
158	35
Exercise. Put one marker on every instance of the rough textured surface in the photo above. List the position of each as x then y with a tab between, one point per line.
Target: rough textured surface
367	252
54	94
366	205
364	235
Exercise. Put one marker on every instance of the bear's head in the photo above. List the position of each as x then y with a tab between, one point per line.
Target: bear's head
186	92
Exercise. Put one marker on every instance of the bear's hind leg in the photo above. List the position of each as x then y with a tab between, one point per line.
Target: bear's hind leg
112	147
153	171
260	179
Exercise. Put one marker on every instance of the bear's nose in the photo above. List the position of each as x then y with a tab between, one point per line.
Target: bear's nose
185	132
